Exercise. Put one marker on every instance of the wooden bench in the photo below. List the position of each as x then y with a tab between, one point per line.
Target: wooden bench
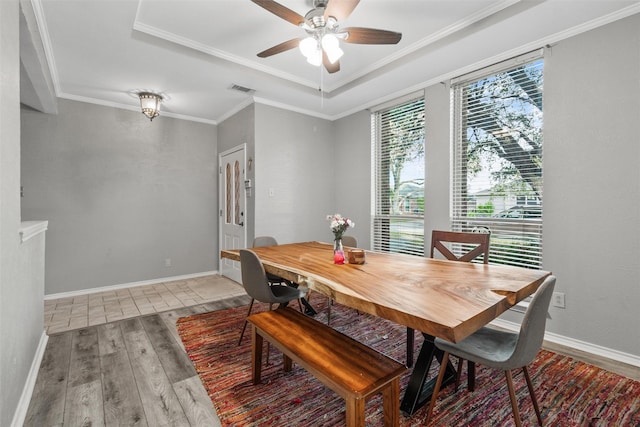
348	367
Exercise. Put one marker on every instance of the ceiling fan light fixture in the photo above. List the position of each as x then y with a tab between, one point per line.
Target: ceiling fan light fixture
150	104
315	58
308	46
320	22
331	46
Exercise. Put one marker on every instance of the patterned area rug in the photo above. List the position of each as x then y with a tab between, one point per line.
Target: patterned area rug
570	393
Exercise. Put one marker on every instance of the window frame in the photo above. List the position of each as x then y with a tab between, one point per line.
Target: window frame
517	239
411	240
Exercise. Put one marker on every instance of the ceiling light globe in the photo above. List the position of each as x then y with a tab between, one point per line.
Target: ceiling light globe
150	104
331	46
315	58
308	46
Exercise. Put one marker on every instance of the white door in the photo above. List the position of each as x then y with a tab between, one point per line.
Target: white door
232	204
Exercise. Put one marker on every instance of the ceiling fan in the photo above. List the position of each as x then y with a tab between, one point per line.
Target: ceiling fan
322	45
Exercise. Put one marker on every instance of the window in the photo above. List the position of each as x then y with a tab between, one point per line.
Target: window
398	181
497	159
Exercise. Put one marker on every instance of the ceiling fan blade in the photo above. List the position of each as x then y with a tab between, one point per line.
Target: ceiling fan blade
340	9
331	68
279	48
280	11
371	36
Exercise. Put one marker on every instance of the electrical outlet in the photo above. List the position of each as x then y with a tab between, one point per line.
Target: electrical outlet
167	262
558	300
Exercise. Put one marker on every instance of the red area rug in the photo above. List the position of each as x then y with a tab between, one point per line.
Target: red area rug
570	393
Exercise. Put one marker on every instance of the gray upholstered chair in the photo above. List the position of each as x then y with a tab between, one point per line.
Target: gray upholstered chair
257	285
350	241
261	241
258	242
264	241
277	280
504	350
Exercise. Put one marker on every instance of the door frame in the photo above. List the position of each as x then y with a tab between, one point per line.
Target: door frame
221	201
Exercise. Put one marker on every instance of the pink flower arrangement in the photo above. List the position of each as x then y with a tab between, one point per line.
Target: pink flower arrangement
339	225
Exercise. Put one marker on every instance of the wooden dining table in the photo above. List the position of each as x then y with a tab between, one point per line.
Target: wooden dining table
440	298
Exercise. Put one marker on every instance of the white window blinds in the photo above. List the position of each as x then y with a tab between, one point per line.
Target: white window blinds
497	167
398	178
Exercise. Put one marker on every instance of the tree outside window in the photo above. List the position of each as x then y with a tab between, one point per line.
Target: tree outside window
498	161
398	224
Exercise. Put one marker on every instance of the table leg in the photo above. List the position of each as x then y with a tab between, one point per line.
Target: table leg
419	389
410	340
308	309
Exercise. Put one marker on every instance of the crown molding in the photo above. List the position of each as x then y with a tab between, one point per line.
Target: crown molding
292	108
104	103
201	47
38	13
241	106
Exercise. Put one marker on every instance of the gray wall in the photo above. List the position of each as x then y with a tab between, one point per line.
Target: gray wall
592	184
21	265
591	181
294	156
121	194
352	161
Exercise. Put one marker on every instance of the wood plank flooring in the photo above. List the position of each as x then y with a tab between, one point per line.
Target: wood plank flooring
132	372
135	372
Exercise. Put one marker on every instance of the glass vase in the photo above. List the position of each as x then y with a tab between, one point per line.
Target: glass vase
338	251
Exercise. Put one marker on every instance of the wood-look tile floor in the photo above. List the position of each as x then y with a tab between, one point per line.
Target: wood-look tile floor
64	314
133	371
130	372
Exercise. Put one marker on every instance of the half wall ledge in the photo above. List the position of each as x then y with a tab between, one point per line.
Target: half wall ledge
29	229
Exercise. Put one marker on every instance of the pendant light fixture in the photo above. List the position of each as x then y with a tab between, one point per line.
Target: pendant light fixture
150	104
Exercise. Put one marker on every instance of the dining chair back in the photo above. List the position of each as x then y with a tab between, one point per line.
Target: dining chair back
261	241
470	245
254	278
264	241
259	286
531	335
350	241
504	350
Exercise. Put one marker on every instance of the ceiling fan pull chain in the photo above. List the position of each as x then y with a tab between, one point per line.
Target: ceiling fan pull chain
321	87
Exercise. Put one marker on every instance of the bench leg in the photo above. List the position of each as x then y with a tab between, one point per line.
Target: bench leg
256	355
391	403
355	412
287	363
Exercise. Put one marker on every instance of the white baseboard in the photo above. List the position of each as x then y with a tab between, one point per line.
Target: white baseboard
128	285
594	349
27	391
